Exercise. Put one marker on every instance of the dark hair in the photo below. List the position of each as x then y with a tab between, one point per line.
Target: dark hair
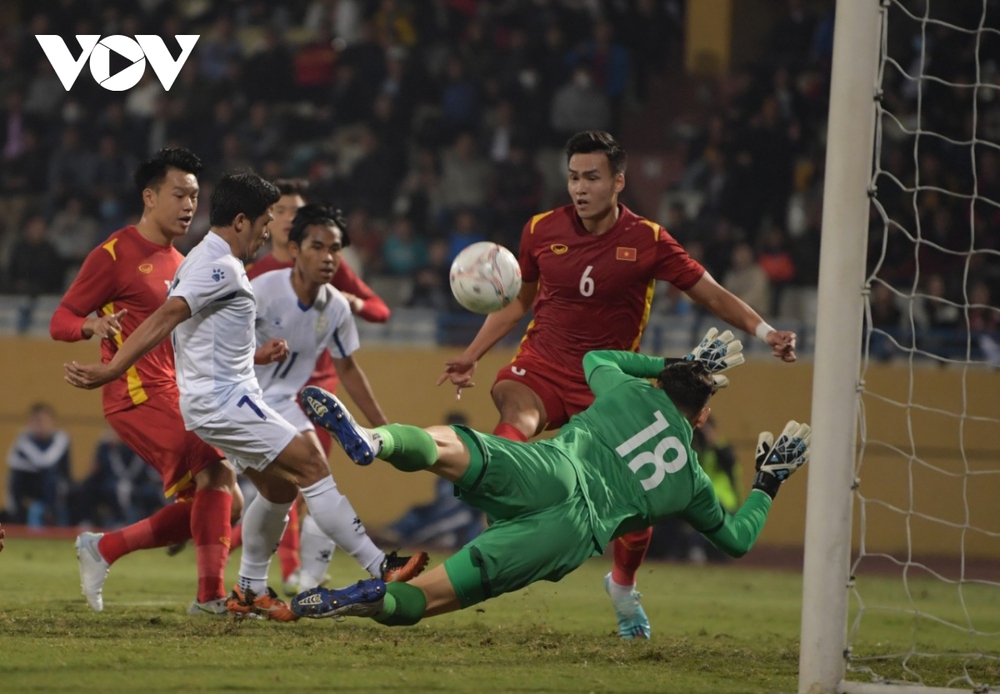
688	384
40	407
151	172
292	186
323	215
241	192
598	141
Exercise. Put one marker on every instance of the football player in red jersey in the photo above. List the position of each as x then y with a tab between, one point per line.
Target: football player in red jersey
365	304
120	284
588	271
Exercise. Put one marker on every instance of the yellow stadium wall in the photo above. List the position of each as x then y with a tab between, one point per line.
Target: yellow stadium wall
763	395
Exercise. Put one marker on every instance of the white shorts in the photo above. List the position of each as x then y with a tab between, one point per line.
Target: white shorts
248	431
293	414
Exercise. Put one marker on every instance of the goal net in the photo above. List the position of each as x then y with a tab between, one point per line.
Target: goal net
922	583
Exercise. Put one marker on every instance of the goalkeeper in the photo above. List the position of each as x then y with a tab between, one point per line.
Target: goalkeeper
622	464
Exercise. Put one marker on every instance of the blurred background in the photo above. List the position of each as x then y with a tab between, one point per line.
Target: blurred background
436	123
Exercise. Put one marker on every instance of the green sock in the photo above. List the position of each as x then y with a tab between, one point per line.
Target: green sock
404	605
407	448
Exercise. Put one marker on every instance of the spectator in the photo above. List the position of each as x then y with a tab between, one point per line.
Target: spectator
465	232
466	176
73	231
35	265
775	257
39	463
747	279
609	68
886	321
517	195
120	489
403	254
270	71
71	166
430	285
26	174
217	50
460	99
579	105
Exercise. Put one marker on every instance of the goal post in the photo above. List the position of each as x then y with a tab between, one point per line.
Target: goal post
904	455
835	399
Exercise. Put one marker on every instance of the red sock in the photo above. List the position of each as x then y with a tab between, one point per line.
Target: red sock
168	526
288	549
236	537
630	550
211	532
509	431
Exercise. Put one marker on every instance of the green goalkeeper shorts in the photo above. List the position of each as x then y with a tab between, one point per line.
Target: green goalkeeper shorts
541	527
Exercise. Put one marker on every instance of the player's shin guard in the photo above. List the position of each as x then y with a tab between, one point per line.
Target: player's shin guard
406	448
630	550
288	549
168	526
317	550
404	605
263	525
336	517
210	529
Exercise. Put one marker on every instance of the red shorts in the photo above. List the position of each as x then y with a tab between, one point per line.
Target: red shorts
562	392
155	431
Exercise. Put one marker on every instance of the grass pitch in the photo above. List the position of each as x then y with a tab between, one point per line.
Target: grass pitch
715	629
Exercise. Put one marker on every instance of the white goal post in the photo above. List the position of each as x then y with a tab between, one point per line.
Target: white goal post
835	400
858	119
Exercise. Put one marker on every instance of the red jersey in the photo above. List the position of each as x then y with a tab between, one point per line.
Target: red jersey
373	310
595	291
125	272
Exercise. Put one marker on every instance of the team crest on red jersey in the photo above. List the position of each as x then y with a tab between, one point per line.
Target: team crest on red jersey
146	268
559	248
625	253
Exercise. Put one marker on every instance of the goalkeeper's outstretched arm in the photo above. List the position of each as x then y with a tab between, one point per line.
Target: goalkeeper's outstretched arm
775	463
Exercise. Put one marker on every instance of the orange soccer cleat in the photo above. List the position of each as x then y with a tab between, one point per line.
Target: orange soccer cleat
267	606
402	569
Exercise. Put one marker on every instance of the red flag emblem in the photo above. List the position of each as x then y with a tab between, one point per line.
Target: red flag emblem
624	253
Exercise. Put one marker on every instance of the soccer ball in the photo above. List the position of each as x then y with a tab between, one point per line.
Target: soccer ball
485	277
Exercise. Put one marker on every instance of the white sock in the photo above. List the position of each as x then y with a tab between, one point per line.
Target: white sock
316	550
336	517
620	593
263	525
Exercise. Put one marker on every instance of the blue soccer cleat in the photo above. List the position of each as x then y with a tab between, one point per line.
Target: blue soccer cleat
363	599
325	410
632	620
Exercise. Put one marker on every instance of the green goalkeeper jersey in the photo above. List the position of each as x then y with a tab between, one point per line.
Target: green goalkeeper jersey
632	452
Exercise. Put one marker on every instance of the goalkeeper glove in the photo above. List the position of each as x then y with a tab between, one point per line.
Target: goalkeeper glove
718	353
777	461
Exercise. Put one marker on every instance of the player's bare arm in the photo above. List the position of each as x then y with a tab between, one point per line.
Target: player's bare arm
354	379
271	351
712	296
148	335
459	371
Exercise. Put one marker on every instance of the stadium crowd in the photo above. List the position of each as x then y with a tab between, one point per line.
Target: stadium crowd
439	123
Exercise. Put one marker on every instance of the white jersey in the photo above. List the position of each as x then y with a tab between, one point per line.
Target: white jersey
214	349
308	330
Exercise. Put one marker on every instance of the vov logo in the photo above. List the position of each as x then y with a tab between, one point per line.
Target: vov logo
137	51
